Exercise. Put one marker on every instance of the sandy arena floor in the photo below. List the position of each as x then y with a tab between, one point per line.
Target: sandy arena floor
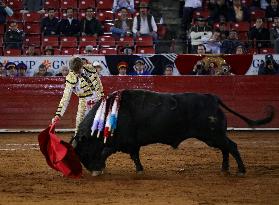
189	175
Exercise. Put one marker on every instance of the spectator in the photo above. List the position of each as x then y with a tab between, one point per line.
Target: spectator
42	71
269	67
21	70
2	70
31	51
224	70
127	4
4	12
238	12
201	50
229	45
33	5
90	25
168	70
139	68
272	10
213	44
89	50
13	37
217	9
98	67
274	32
189	7
69	26
49	24
123	26
200	69
49	51
144	24
199	33
11	69
259	35
122	68
64	71
240	50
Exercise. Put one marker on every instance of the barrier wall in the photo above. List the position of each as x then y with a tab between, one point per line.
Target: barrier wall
30	103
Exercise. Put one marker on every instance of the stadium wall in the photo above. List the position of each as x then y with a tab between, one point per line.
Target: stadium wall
30	103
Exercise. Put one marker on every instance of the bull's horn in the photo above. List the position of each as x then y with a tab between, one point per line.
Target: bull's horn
96	173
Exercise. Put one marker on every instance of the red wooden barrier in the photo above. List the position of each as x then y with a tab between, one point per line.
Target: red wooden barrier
30	103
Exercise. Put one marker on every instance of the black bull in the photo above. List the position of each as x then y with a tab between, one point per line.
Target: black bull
147	117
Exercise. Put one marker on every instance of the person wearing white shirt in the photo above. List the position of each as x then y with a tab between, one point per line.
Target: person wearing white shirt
119	4
144	24
189	7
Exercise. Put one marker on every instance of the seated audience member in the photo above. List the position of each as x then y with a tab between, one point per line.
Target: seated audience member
272	10
229	45
122	68
144	24
199	33
33	5
64	71
4	12
98	67
69	26
127	4
224	70
259	35
168	70
2	70
217	9
139	68
240	50
238	12
189	7
49	24
201	50
274	33
213	44
11	70
269	66
42	71
49	51
21	70
31	51
123	26
200	69
89	25
13	37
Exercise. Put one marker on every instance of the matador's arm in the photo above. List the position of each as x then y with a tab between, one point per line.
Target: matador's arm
71	80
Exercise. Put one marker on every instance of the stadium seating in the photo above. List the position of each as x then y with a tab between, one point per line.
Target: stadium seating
107	41
50	41
144	41
15	4
126	41
55	4
69	51
67	42
32	40
64	4
32	17
88	40
12	52
84	4
108	51
104	4
145	50
32	28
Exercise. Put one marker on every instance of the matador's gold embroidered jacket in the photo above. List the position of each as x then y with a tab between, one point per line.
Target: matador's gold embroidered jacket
87	87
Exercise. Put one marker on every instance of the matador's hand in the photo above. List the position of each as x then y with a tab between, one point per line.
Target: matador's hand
55	120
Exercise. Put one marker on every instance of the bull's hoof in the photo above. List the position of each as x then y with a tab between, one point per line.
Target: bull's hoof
225	172
96	173
240	174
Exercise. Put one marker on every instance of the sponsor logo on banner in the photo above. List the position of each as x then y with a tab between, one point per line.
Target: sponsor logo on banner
257	60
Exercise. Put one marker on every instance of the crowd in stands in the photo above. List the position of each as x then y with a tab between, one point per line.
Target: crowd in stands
224	25
69	26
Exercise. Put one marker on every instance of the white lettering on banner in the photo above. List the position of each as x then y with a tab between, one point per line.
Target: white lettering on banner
257	60
54	63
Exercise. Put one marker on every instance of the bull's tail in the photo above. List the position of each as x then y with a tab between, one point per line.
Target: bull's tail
250	122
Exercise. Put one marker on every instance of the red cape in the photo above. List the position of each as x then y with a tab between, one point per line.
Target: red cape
59	155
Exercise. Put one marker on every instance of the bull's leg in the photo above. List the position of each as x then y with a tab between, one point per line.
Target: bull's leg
107	151
135	157
225	163
232	147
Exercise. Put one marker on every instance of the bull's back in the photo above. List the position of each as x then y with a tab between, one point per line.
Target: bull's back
149	117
